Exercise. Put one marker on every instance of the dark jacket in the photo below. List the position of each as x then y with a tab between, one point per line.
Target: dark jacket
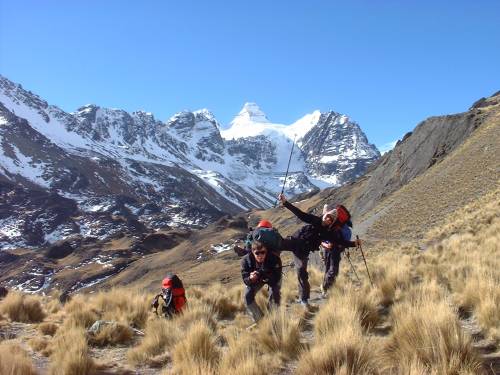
309	237
270	270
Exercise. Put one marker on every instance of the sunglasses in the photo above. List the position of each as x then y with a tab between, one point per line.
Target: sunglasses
259	253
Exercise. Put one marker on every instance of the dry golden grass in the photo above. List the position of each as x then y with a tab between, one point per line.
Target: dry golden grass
245	356
70	353
342	352
79	313
112	334
347	306
279	333
197	352
22	308
126	306
224	302
160	334
48	328
40	344
427	330
15	361
467	262
407	323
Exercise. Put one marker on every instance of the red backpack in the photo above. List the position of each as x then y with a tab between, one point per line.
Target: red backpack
173	295
343	215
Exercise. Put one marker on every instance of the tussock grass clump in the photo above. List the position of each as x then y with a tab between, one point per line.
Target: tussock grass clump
245	356
197	352
196	311
48	328
427	331
226	303
70	354
390	275
126	306
159	335
40	344
22	308
112	334
279	333
79	313
15	361
252	364
347	306
342	352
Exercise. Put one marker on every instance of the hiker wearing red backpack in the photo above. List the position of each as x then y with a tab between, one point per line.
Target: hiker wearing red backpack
309	238
173	296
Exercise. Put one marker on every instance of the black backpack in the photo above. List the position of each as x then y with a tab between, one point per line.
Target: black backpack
270	237
310	235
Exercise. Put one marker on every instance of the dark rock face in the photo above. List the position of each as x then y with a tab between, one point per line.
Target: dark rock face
59	250
163	241
258	152
337	147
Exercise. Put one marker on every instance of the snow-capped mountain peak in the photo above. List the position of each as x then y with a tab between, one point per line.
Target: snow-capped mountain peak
250	113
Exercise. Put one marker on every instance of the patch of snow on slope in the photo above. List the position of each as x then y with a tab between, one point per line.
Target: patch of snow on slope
25	166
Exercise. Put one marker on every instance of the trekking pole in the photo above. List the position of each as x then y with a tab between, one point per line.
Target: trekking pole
352	265
364	259
287	168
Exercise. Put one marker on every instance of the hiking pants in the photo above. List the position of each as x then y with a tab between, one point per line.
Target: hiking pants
332	264
274	295
300	261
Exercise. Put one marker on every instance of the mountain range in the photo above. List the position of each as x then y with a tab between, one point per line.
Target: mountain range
100	172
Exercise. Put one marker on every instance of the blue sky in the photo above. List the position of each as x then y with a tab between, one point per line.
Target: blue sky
387	64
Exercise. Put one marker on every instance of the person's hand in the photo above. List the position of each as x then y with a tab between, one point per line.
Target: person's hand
282	198
358	242
327	245
254	276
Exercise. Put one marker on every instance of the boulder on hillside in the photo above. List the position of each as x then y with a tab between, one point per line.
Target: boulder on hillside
163	241
59	250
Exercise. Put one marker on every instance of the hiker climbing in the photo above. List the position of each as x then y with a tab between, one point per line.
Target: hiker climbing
173	296
308	238
264	233
260	267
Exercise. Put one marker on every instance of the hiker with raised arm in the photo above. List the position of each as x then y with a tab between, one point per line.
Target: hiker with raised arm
258	268
309	238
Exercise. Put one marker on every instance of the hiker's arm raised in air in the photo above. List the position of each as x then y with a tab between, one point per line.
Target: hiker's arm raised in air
303	216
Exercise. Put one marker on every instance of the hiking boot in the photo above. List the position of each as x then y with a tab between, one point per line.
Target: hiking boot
255	312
